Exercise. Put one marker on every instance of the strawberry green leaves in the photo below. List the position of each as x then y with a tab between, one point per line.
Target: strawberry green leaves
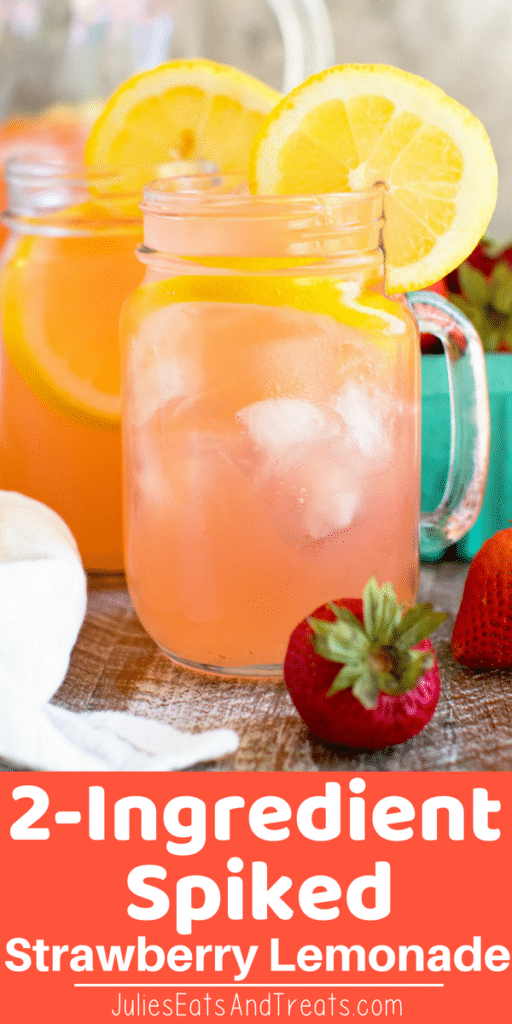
376	654
486	300
355	692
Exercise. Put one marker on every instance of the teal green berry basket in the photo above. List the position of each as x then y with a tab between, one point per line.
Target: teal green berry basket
496	512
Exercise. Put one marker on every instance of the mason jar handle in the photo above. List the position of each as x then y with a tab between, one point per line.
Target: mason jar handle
469	417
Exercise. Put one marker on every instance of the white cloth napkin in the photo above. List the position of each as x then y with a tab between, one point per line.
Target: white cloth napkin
42	606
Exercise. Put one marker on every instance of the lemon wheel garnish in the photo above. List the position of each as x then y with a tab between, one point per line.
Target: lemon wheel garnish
182	110
367	311
59	320
352	126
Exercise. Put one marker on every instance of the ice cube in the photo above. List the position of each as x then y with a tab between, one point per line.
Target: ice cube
159	366
241	190
300	467
330	506
311	497
365	416
275	425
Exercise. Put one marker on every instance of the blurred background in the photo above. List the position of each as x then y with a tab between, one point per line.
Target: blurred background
464	46
69	50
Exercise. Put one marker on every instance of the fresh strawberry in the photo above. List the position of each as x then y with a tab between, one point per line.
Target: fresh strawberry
361	672
440	287
506	254
482	258
482	289
482	635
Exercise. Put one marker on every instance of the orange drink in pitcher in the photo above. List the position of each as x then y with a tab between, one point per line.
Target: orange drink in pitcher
67	267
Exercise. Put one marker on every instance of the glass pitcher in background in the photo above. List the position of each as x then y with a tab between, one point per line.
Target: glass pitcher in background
68	52
60	59
67	266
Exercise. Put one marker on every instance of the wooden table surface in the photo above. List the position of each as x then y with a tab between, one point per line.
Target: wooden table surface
116	665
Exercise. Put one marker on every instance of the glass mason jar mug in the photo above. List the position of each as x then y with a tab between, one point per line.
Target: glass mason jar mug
271	423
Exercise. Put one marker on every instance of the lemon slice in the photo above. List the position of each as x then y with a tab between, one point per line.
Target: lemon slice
182	110
60	320
363	309
358	124
291	337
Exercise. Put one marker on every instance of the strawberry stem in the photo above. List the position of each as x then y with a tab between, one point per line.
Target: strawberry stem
381	661
378	656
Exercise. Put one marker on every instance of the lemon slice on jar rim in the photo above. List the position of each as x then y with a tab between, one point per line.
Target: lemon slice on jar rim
354	125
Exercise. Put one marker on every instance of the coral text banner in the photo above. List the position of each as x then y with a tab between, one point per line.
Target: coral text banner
281	897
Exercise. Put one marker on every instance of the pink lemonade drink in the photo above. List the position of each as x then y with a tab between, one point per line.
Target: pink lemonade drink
271	422
271	419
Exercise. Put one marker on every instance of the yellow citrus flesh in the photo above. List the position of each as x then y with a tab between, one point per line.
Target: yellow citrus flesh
353	126
182	110
60	320
366	310
255	336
